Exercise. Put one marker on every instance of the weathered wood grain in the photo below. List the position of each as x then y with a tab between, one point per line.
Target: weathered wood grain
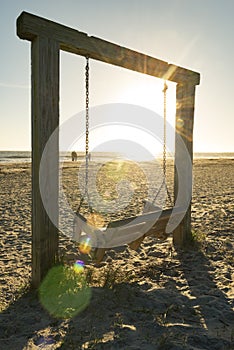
45	119
185	97
29	26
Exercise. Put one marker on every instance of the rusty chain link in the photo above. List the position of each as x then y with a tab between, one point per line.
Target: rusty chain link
165	87
86	123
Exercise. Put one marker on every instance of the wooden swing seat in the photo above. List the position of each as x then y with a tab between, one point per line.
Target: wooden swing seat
156	220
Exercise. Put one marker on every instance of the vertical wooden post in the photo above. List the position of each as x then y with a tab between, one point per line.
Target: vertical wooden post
185	96
45	119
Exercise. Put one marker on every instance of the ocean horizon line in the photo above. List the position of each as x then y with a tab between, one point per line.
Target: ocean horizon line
25	156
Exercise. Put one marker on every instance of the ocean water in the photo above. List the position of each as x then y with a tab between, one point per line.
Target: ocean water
25	156
15	156
224	155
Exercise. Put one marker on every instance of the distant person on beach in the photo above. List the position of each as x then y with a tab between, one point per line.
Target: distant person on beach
74	156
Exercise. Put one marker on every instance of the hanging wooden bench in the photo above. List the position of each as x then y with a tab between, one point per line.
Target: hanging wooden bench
116	233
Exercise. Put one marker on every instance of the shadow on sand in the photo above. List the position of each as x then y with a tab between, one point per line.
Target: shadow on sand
171	315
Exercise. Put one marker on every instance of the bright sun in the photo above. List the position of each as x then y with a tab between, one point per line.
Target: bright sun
144	91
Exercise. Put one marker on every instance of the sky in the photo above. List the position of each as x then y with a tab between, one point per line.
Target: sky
197	35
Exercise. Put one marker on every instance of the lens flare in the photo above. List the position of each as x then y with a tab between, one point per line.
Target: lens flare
64	293
79	266
85	246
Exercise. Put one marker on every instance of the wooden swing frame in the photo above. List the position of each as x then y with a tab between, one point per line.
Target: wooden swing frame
47	39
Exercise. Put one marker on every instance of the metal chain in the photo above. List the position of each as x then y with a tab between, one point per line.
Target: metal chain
165	128
164	183
86	194
86	123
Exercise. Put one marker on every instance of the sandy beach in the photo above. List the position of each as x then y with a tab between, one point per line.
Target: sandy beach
153	298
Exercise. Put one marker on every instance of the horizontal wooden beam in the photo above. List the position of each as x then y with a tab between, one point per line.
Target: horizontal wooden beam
30	26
